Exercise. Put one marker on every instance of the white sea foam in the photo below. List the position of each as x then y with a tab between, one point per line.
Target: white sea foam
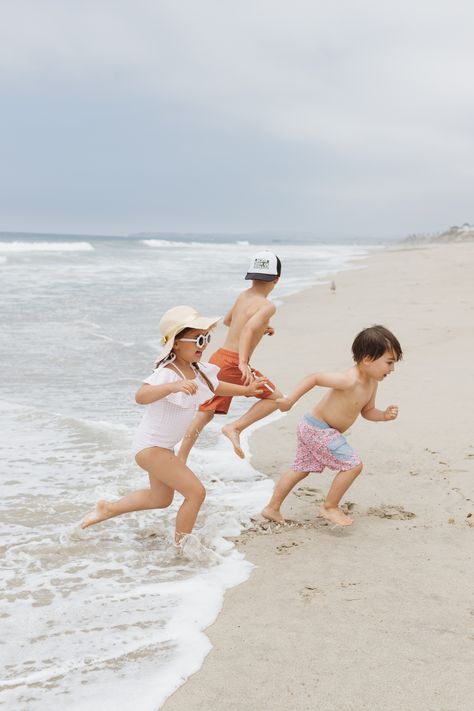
111	617
84	607
162	243
12	247
199	245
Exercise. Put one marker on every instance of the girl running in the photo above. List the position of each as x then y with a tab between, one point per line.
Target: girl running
172	394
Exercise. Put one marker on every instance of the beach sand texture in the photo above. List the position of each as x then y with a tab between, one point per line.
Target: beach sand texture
379	615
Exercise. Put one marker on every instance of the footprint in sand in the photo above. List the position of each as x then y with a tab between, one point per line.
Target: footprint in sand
395	512
309	493
285	549
309	593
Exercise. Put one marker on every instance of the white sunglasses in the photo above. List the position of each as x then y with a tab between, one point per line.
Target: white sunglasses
200	341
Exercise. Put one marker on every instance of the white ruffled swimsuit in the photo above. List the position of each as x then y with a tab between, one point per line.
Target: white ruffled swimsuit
166	421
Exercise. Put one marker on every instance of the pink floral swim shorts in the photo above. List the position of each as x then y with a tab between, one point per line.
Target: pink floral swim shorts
321	446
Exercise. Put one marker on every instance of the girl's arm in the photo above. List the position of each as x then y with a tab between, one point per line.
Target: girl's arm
251	390
152	393
338	381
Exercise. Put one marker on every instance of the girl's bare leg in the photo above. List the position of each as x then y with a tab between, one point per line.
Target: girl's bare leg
167	474
341	482
201	419
158	496
287	482
260	409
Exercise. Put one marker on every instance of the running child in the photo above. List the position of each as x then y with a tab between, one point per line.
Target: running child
171	395
320	442
248	321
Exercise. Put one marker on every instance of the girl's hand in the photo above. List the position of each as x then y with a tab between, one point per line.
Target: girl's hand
283	404
256	387
391	412
269	331
184	386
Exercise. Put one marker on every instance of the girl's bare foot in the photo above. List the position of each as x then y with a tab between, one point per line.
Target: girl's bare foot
272	515
335	515
101	513
234	436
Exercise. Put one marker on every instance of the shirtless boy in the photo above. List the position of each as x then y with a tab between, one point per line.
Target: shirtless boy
248	321
320	442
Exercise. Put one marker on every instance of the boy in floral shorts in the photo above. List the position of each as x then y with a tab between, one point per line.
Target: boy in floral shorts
320	442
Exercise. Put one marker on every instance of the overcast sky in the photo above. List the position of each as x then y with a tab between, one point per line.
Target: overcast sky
335	118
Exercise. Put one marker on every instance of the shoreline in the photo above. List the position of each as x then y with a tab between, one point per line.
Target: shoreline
323	610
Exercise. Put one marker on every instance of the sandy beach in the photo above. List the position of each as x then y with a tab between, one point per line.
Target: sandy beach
379	615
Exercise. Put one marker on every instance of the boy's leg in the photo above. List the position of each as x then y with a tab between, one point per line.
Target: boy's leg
341	482
260	409
287	482
201	419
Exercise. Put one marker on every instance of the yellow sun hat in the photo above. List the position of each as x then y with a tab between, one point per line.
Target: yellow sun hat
176	320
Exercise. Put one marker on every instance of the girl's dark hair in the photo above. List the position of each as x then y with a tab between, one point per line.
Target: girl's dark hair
204	376
372	343
182	334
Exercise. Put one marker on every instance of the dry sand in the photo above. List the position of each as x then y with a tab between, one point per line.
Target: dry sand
380	615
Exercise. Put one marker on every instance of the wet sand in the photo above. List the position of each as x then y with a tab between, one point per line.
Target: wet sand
379	615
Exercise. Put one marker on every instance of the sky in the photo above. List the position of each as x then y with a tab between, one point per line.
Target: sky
342	119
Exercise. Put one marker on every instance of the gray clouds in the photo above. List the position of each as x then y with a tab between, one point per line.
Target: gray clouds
354	118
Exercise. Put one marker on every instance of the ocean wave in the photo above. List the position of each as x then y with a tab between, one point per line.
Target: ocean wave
20	247
162	243
171	243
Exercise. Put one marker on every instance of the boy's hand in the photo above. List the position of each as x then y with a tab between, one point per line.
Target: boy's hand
391	412
283	404
246	370
256	387
184	386
269	331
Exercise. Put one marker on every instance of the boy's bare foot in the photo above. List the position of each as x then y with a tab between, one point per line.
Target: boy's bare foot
101	513
234	436
335	515
272	515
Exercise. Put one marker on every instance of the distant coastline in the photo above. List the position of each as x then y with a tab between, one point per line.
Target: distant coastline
464	233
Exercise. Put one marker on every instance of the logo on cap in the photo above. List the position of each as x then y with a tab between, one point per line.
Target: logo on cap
261	263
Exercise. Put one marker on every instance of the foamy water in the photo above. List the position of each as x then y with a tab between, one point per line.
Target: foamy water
110	617
11	247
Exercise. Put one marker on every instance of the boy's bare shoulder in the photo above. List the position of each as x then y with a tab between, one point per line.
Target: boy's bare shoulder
266	306
250	304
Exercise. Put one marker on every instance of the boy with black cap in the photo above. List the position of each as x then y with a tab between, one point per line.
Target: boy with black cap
248	321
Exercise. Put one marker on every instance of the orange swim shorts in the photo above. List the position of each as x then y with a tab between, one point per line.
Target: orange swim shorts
228	362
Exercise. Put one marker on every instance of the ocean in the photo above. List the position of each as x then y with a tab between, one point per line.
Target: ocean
109	618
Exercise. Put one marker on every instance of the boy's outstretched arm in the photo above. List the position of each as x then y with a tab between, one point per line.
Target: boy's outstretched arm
338	381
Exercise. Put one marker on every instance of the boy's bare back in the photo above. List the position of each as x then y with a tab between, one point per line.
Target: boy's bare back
248	320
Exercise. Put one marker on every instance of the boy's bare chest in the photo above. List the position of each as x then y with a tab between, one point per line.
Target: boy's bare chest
358	396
